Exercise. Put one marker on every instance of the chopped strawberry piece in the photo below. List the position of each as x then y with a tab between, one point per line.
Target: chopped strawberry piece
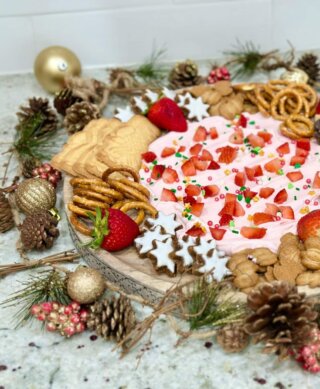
283	149
188	168
157	171
167	152
149	156
206	156
286	212
200	134
295	176
198	164
242	122
195	150
297	160
273	166
213	165
281	197
217	233
195	231
261	218
225	220
271	209
253	232
236	138
250	172
265	135
303	144
256	140
189	200
196	209
240	179
230	198
213	133
192	190
228	154
167	195
169	175
210	190
248	194
238	210
301	152
316	181
258	171
181	149
266	192
228	209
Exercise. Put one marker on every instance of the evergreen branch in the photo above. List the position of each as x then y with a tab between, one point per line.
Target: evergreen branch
151	71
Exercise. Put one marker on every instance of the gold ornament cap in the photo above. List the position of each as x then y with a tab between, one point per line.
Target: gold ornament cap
295	75
85	285
53	64
35	194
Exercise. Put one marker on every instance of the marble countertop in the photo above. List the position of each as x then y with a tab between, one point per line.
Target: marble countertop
33	359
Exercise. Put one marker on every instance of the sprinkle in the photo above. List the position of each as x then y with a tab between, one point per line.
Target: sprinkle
280	172
216	225
307	202
297	165
147	170
240	197
228	125
216	199
181	137
261	153
247	200
209	223
173	190
175	142
151	183
141	178
222	196
297	188
232	223
185	157
193	180
235	231
311	193
210	178
316	203
245	140
304	210
148	179
290	185
295	198
278	218
178	155
305	187
270	155
243	188
189	217
227	172
308	181
226	188
156	199
179	187
256	199
248	205
250	218
252	122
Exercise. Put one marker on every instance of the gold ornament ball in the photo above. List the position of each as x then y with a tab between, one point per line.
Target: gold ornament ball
85	285
35	194
295	75
53	64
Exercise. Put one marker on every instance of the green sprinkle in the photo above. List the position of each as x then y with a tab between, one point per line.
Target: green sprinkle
280	172
184	181
269	178
141	178
181	137
297	188
226	188
204	143
246	140
297	165
193	180
235	231
177	163
178	155
189	217
232	223
290	185
256	149
239	197
295	197
185	157
155	162
243	188
198	185
173	190
252	122
247	200
228	125
151	183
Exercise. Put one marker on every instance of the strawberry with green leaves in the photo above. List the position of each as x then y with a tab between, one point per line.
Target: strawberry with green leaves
113	230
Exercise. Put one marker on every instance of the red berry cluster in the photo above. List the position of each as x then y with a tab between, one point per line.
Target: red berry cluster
218	74
309	355
67	319
47	172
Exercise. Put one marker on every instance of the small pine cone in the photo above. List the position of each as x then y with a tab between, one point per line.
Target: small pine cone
38	106
111	318
232	338
317	130
122	78
64	99
184	74
281	318
79	115
27	166
6	216
38	231
310	65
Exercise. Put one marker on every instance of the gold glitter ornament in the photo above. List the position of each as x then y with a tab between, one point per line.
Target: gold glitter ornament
85	285
53	64
295	75
35	194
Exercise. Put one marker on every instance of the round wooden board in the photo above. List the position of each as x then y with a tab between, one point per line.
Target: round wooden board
128	271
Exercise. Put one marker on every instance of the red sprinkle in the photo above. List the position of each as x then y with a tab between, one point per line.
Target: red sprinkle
210	223
222	196
238	191
278	218
282	163
305	186
253	155
316	203
280	155
217	225
234	170
147	170
148	179
210	178
248	205
307	201
179	187
216	199
308	181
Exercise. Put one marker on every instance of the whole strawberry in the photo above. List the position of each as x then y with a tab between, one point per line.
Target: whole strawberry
167	115
309	225
113	230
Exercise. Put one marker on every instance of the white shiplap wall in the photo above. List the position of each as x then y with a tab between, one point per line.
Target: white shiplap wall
109	32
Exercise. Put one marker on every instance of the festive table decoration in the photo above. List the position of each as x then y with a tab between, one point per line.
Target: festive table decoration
78	115
184	74
309	63
6	215
218	74
47	172
53	64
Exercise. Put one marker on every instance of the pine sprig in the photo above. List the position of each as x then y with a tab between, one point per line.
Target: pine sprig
151	71
48	285
210	304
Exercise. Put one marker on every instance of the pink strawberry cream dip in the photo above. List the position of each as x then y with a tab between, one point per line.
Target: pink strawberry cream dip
241	183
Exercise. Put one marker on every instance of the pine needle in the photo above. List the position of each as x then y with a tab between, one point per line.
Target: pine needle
151	71
47	285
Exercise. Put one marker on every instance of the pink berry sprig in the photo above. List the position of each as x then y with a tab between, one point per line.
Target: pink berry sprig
66	319
309	355
218	74
47	172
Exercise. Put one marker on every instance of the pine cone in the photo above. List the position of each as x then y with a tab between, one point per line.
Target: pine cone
317	130
282	318
184	74
232	338
38	231
111	318
28	164
36	106
64	99
6	216
79	115
309	64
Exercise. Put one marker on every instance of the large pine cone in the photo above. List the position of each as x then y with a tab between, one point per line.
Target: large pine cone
64	99
6	216
79	115
282	318
38	231
38	106
232	338
184	74
309	64
111	318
